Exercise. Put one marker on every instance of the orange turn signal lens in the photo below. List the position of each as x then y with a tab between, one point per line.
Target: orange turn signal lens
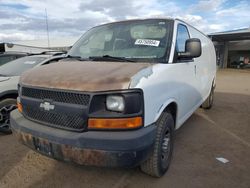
19	107
116	123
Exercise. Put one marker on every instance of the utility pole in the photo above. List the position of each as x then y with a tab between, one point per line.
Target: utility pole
47	27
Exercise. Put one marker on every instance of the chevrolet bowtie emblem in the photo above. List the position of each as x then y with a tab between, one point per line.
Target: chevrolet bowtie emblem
47	106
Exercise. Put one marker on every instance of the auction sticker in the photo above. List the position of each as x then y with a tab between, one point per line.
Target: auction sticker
147	42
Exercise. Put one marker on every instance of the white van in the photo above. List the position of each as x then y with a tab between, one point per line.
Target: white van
118	96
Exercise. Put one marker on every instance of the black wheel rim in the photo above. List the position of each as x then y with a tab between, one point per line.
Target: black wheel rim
166	147
5	116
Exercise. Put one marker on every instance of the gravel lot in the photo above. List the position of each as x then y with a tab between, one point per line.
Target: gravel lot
223	131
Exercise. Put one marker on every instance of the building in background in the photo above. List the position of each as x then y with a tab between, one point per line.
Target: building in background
55	43
38	46
232	48
12	47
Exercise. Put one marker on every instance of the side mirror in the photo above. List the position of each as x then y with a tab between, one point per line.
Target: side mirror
192	49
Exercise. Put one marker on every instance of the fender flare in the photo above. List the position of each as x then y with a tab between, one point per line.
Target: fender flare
9	92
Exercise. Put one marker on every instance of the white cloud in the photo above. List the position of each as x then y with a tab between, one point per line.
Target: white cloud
71	18
208	5
191	19
216	27
241	9
203	24
15	36
234	17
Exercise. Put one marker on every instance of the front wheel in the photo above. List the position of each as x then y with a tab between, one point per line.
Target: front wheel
6	106
158	162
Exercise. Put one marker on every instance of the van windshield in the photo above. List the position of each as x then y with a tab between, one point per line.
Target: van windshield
138	40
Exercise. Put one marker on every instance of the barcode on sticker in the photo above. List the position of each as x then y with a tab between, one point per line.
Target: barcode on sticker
147	42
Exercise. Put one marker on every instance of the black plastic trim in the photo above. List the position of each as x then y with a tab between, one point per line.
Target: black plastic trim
104	140
9	92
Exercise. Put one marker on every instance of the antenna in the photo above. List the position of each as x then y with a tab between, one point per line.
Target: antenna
47	26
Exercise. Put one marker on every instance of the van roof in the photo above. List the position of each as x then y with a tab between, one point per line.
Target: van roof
137	19
158	18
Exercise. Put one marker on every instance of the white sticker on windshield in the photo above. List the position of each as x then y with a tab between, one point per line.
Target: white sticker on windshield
147	42
29	62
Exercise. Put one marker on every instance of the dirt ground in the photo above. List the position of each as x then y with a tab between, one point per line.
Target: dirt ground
223	131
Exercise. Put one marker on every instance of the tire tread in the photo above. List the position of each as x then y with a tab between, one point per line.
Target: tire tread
151	165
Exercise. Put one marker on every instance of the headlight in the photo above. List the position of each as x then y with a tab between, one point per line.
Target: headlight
115	103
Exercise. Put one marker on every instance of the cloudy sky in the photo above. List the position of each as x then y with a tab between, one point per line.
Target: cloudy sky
25	19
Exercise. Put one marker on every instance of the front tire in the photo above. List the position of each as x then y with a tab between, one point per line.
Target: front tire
158	162
6	106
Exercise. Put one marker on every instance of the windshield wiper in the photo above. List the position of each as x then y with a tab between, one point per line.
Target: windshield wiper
76	57
108	57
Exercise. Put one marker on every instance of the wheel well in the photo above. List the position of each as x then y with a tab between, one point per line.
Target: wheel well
172	108
10	95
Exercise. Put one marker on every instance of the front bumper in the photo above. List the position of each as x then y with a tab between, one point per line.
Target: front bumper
96	148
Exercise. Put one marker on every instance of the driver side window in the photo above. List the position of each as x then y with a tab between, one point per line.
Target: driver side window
182	36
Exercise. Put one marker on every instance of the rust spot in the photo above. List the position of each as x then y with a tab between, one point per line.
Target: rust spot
71	154
83	76
86	156
26	139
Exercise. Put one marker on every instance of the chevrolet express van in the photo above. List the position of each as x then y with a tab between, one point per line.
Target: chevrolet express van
119	95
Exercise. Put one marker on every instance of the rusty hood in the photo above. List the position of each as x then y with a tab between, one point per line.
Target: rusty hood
83	75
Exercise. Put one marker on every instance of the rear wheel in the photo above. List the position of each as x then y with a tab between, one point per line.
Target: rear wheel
208	103
158	162
6	106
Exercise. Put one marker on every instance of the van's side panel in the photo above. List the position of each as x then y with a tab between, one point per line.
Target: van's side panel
186	84
206	64
163	84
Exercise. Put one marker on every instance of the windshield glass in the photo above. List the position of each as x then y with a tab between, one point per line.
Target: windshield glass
18	66
140	40
6	59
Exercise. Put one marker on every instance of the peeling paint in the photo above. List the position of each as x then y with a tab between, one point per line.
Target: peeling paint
144	73
81	156
83	76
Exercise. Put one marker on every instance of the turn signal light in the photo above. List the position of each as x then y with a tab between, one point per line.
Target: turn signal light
19	107
115	123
